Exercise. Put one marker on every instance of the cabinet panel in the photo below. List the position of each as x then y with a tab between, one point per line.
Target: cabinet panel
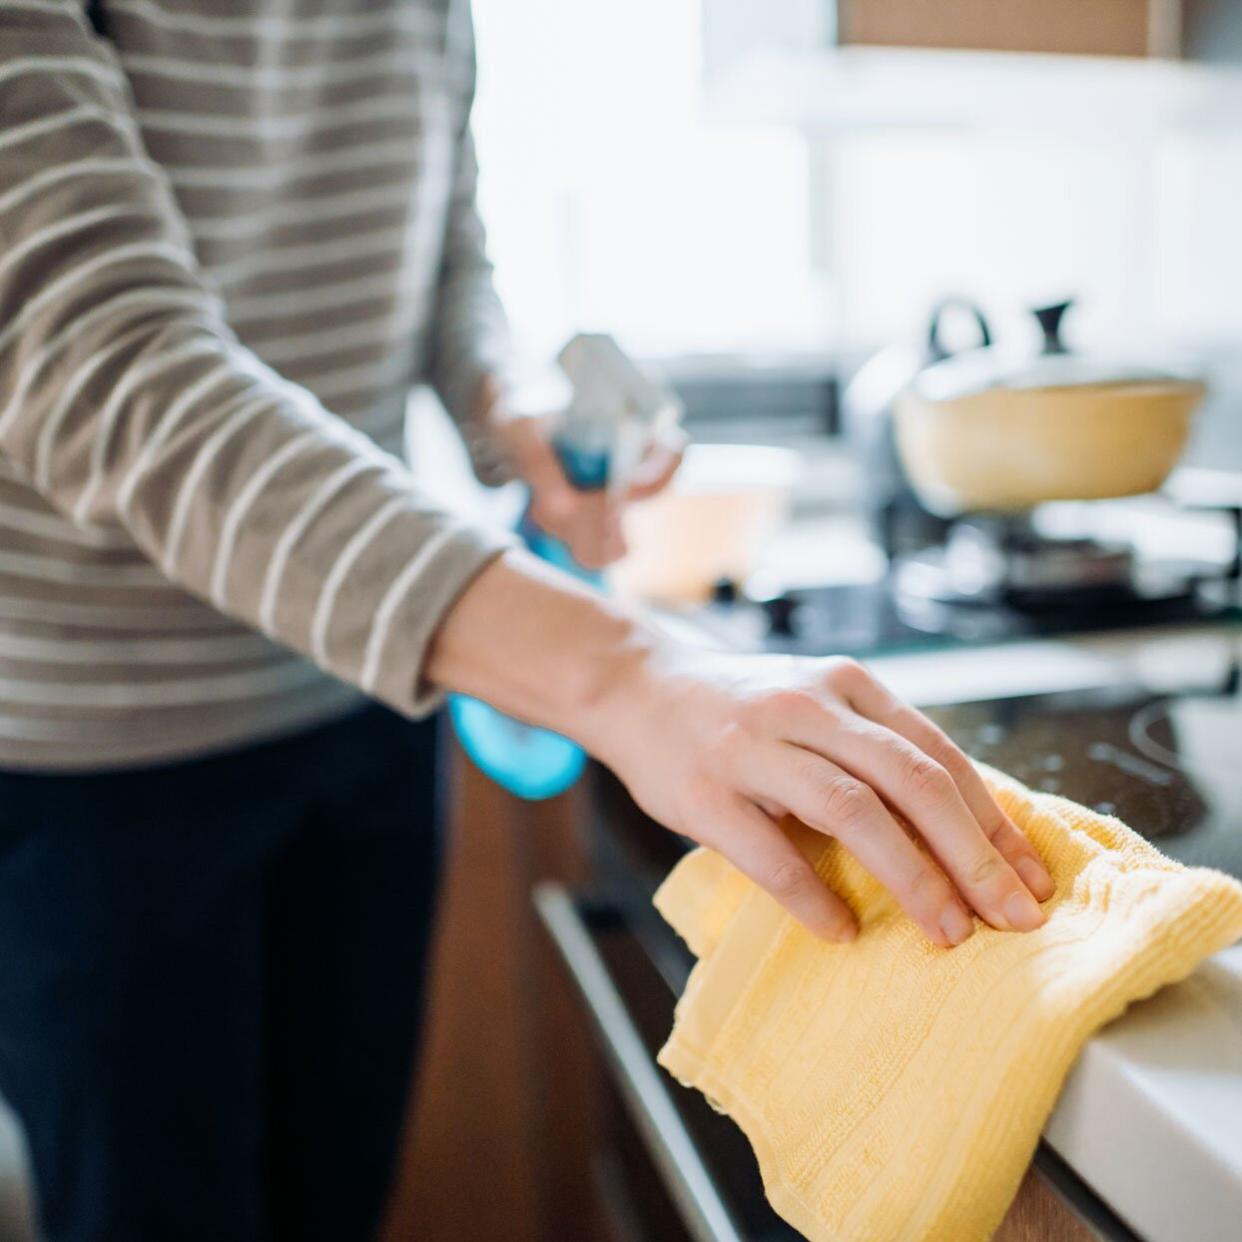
1101	27
504	1120
1037	1215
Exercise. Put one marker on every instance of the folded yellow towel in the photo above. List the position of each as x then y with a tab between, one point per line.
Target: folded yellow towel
894	1091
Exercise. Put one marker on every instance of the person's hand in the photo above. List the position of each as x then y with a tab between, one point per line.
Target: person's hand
588	523
719	746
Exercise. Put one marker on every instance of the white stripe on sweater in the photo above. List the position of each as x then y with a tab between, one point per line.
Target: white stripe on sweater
185	691
53	526
394	106
70	224
405	62
349	554
202	460
66	398
309	255
84	270
143	299
329	26
173	415
349	158
139	373
327	490
184	614
334	205
298	346
240	507
366	380
61	120
76	66
373	660
101	166
350	290
47	569
142	651
51	8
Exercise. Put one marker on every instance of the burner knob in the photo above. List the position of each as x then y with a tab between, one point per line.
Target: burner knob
780	610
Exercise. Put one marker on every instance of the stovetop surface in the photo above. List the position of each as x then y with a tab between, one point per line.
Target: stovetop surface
1166	764
874	618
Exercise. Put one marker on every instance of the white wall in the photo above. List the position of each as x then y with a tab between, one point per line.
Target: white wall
612	204
615	203
1144	232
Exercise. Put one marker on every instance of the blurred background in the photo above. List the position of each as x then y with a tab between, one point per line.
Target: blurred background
758	198
765	204
716	177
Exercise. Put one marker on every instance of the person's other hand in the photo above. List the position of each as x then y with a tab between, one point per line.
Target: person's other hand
719	746
587	522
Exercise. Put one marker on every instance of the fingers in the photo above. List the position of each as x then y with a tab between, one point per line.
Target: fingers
759	849
655	472
878	704
589	523
925	793
927	796
526	442
831	800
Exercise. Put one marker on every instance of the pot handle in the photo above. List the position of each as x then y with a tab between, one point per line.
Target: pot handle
935	345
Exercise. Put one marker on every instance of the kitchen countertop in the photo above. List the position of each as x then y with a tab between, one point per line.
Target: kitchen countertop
1151	1115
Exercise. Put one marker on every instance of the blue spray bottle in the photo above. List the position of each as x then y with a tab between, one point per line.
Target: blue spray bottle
615	414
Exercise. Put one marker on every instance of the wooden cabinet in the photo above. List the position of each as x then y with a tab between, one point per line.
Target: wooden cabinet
1038	1215
1100	27
517	1131
501	1125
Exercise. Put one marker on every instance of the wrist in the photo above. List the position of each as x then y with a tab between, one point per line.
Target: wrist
644	685
542	646
617	687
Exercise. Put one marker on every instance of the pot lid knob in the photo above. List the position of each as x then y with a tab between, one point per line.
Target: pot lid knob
1050	320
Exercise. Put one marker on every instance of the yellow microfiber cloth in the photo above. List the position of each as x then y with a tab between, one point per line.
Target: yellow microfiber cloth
894	1091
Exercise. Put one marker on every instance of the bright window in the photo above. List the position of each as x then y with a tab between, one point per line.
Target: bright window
613	204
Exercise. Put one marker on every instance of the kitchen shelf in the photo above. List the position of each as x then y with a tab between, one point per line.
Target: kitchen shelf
859	88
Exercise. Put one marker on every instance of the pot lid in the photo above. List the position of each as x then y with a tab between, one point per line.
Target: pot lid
1055	368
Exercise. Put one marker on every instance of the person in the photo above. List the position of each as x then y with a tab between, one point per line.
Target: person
232	237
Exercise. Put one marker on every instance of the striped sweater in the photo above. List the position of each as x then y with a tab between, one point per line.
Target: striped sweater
233	234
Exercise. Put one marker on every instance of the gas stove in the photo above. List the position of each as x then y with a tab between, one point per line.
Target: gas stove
990	578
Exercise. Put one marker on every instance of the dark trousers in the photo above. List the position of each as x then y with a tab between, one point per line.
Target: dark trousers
210	981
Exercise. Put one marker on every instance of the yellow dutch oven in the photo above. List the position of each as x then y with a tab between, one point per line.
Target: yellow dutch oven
982	432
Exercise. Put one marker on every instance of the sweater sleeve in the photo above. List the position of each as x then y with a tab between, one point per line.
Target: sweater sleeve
127	402
470	338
